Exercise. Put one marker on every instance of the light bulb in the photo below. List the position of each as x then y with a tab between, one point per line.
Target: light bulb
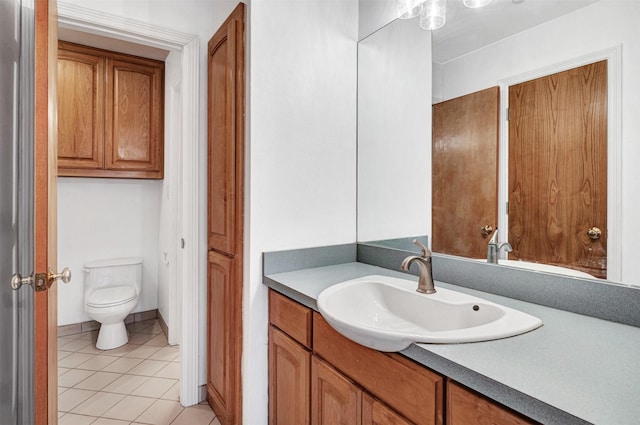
474	4
433	14
408	9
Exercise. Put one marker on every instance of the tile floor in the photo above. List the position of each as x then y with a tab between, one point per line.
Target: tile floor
137	383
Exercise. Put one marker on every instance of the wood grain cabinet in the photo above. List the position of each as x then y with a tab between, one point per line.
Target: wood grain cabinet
110	114
465	407
319	377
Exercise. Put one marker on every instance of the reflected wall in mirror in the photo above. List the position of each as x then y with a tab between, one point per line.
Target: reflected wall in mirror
561	43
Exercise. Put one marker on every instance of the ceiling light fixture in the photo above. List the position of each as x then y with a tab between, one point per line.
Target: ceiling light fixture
474	4
433	14
408	9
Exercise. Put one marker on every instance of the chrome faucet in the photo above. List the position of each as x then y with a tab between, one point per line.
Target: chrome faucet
494	247
425	282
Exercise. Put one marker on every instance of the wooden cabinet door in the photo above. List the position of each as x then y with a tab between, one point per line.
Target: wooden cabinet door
464	407
558	169
80	109
334	399
289	380
134	115
465	173
376	413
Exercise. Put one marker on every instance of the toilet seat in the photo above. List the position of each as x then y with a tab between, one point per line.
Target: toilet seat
112	296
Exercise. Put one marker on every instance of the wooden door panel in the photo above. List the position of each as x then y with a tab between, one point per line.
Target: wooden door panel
334	399
222	172
289	380
45	217
465	172
80	108
226	216
558	169
134	111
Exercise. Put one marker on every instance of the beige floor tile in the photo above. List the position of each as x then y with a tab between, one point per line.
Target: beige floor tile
97	404
158	340
154	387
143	352
121	351
91	336
155	329
148	368
139	327
76	345
195	415
122	365
161	412
98	362
61	390
172	393
172	370
107	421
62	371
91	349
72	398
216	421
63	354
73	377
73	419
167	353
129	408
98	381
74	360
136	338
126	384
62	341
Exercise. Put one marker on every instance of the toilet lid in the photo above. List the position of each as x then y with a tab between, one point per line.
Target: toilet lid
108	297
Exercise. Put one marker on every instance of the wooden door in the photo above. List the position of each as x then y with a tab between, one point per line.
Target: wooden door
558	169
465	173
80	108
225	217
376	413
289	380
134	116
45	194
334	399
465	407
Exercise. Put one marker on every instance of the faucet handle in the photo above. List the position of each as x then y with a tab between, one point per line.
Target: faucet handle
494	238
425	251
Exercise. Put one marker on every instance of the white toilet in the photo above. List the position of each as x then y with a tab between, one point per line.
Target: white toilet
110	294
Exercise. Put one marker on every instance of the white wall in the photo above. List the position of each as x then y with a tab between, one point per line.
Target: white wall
602	25
100	219
302	154
394	132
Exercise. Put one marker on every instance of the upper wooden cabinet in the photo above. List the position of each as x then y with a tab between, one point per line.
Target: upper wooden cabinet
110	114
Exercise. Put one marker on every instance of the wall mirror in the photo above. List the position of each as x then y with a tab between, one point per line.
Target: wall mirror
403	70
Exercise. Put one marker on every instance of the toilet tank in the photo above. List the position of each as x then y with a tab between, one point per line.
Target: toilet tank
113	272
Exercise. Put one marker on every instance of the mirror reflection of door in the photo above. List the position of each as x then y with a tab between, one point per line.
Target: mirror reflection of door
558	169
465	173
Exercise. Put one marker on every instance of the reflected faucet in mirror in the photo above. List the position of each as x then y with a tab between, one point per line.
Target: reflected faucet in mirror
425	281
494	247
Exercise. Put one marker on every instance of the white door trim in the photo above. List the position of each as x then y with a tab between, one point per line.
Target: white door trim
613	56
94	22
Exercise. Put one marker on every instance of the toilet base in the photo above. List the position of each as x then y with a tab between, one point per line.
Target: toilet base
112	335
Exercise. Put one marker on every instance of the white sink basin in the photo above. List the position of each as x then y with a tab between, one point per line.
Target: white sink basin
387	314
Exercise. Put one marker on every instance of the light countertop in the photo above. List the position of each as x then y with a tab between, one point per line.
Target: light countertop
575	369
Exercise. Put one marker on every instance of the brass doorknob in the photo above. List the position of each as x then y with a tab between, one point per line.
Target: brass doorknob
64	276
594	233
486	230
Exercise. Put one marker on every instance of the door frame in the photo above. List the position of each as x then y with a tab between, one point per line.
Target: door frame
613	56
184	209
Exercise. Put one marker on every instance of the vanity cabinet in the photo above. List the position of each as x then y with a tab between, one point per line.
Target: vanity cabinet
110	114
466	407
317	376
